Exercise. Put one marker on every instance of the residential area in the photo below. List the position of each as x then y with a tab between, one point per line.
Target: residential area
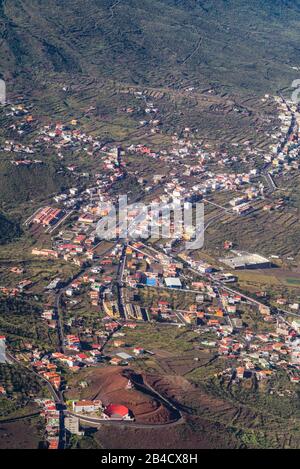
123	284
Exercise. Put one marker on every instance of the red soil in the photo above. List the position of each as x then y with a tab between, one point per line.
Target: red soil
111	386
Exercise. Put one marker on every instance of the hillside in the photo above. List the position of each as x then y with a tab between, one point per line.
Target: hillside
155	42
8	229
23	183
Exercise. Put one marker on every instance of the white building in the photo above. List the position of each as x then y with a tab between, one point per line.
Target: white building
86	406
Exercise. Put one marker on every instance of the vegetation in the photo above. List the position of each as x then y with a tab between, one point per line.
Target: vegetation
161	42
20	387
8	230
22	183
20	320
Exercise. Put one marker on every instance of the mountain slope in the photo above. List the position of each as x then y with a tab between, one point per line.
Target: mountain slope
8	229
20	184
235	43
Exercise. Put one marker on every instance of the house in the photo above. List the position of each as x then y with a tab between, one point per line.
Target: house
264	310
44	253
116	361
247	261
163	306
263	374
231	309
240	372
118	343
53	443
17	270
138	351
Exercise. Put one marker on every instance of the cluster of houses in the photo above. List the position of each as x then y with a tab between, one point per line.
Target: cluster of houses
145	269
67	137
221	313
10	146
257	354
18	289
48	370
194	173
52	418
284	154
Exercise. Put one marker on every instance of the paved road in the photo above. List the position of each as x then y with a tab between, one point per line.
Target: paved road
121	305
99	422
148	389
61	291
51	389
216	284
56	395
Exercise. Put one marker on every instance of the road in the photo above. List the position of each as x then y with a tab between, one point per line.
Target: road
266	169
51	389
227	210
224	307
56	395
99	422
217	284
62	290
120	286
144	387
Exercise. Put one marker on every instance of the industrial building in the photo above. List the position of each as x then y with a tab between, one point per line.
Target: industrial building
173	282
245	260
2	350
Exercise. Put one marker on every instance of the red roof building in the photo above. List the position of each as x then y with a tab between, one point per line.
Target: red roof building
117	412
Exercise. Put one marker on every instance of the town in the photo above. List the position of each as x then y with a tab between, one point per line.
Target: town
127	283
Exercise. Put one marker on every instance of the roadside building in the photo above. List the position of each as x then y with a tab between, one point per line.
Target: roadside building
117	412
86	406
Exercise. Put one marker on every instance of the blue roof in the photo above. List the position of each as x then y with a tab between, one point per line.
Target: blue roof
151	281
